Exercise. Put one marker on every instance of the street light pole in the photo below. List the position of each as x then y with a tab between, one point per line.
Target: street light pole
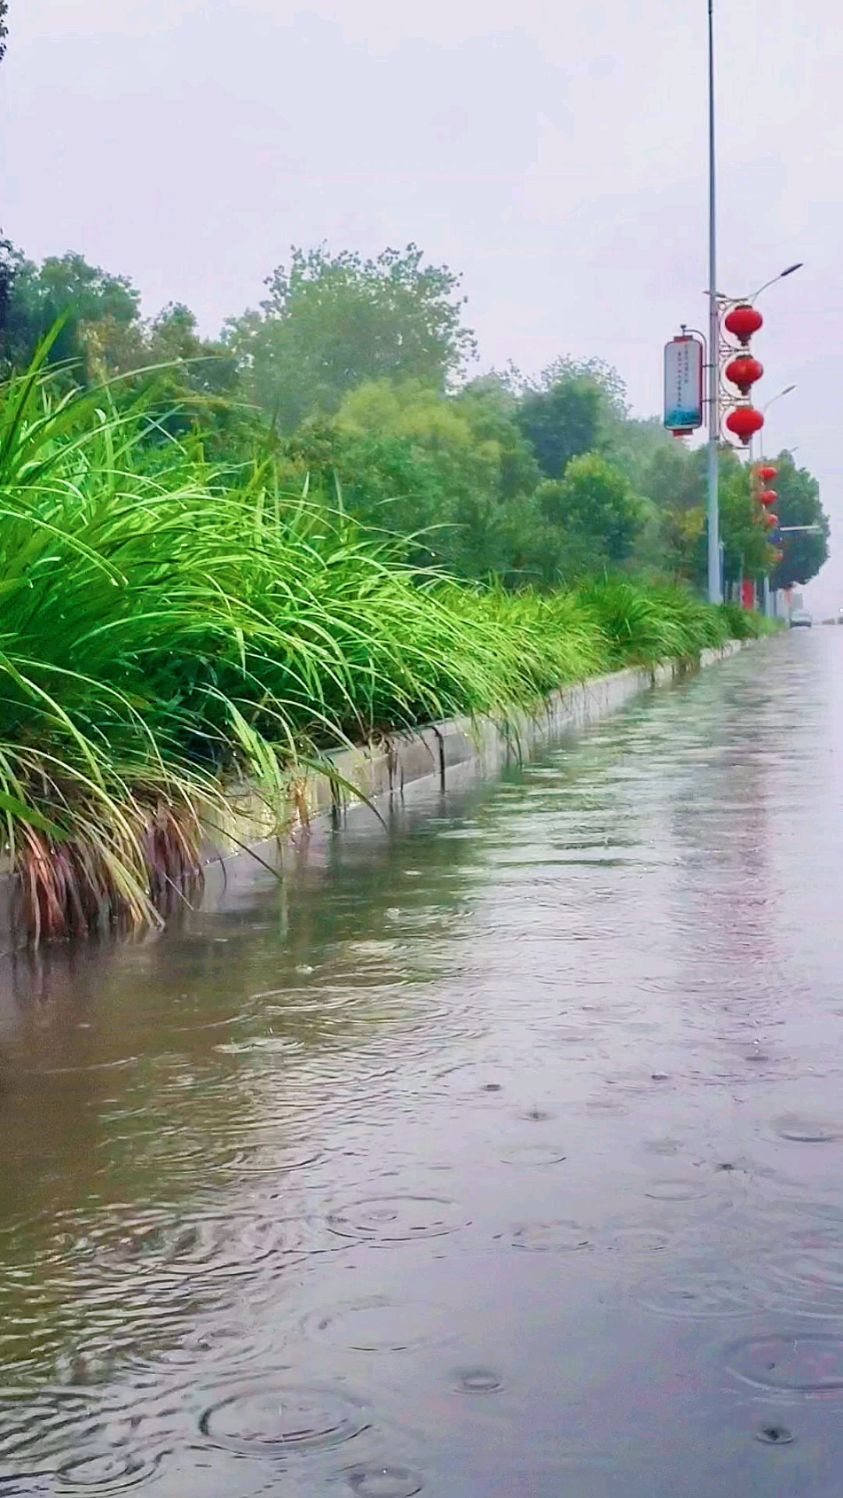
713	507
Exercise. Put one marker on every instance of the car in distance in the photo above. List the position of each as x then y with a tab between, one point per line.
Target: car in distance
800	619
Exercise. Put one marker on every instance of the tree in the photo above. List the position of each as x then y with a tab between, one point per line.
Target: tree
69	283
4	30
675	477
601	373
746	544
452	472
492	412
65	287
597	512
746	547
203	365
567	413
334	322
799	503
674	487
10	262
638	446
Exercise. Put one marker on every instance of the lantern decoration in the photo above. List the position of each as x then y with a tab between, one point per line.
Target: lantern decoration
743	372
779	555
744	422
767	497
767	472
771	520
743	321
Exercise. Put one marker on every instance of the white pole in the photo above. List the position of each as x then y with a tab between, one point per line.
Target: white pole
714	588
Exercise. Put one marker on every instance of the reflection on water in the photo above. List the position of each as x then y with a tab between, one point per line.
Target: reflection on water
499	1153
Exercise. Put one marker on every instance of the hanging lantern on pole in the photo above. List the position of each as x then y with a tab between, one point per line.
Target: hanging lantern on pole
743	372
771	520
743	321
767	472
767	497
744	422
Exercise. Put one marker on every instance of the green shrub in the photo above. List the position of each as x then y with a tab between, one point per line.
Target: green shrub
166	627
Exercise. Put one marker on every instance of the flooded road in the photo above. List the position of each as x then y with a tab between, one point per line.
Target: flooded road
498	1154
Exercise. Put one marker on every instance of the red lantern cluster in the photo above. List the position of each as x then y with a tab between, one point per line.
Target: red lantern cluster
744	370
767	497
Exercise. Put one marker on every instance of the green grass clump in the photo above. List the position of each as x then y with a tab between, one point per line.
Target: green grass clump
654	624
164	627
747	624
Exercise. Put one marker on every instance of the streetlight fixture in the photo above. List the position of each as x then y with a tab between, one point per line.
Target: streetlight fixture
774	398
771	402
780	277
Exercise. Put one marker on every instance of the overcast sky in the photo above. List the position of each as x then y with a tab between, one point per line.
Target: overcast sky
555	154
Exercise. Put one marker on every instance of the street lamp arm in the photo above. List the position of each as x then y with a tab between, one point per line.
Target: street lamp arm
773	398
789	270
734	301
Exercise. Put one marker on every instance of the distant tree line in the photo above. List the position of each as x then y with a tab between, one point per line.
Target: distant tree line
354	371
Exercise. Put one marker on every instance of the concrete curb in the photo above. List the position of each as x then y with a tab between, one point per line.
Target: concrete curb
385	769
389	768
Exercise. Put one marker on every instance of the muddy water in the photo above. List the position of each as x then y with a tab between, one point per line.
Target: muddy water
500	1153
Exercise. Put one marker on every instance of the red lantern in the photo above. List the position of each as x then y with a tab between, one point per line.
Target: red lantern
743	372
771	520
744	421
767	473
743	321
768	496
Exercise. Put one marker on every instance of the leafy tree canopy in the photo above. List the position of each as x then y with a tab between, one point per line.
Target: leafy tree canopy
334	322
63	287
445	470
351	368
597	512
569	411
799	504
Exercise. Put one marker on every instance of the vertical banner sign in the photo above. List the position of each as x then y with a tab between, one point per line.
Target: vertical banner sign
683	384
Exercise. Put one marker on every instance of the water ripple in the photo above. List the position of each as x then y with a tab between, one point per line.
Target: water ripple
267	1419
395	1219
804	1363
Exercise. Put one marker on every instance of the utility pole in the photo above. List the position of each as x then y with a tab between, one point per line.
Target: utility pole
715	593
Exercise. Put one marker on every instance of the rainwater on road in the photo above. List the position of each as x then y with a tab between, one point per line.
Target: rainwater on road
498	1154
